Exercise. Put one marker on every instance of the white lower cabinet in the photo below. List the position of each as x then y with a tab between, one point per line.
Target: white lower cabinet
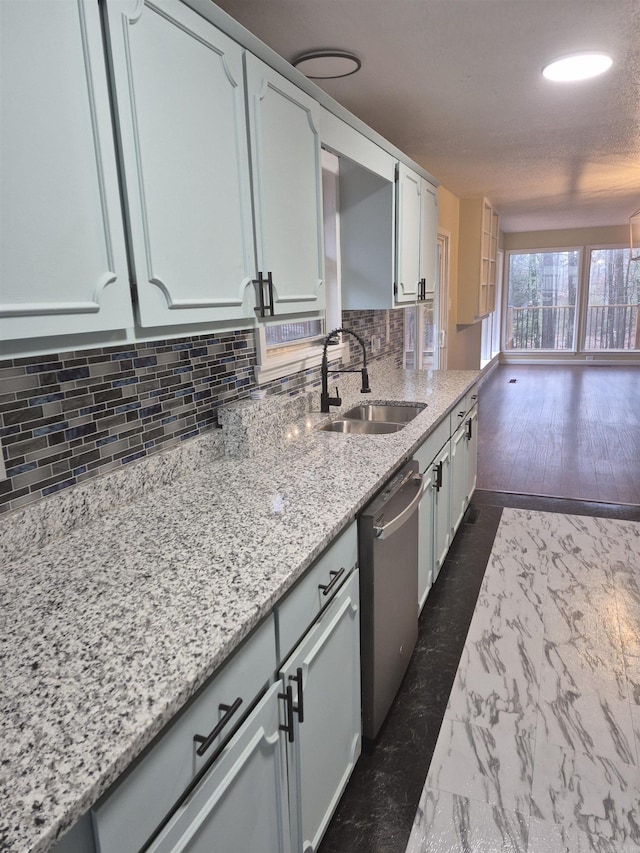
472	452
448	464
240	806
433	541
464	462
226	762
324	738
458	475
259	759
425	537
441	508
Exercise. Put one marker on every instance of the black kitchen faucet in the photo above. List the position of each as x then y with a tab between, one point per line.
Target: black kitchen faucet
325	399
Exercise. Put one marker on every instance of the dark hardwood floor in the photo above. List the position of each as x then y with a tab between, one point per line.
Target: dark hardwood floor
563	431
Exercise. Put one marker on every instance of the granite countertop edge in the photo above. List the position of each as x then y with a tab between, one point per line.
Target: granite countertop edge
123	614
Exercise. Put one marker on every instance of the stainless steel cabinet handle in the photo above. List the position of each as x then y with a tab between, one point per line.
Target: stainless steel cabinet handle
397	522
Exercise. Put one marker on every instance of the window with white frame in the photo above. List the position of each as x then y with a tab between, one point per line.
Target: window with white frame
612	317
542	295
296	344
557	302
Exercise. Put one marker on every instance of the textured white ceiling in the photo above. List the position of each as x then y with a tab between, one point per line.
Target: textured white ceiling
456	84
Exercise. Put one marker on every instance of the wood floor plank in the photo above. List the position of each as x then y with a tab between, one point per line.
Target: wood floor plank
561	430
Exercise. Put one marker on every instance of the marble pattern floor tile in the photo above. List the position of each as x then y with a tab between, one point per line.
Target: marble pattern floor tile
447	822
632	670
498	676
543	719
597	798
493	766
627	595
583	706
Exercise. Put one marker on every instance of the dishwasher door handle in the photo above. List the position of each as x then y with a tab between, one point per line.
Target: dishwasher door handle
397	522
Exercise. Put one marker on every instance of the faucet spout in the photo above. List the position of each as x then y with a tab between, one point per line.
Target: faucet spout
325	399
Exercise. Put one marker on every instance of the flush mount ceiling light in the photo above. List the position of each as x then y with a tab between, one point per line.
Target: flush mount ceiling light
327	64
579	66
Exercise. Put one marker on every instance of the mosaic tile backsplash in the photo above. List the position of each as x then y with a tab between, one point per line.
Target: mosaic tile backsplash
69	417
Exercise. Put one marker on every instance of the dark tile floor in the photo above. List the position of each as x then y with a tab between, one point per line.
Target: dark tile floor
377	810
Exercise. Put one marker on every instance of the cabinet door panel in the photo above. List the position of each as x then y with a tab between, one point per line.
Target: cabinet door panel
327	743
472	453
408	243
180	98
62	257
287	187
140	801
441	503
458	476
241	805
425	537
429	233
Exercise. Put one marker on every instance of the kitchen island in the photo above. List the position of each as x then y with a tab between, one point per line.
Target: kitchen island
109	630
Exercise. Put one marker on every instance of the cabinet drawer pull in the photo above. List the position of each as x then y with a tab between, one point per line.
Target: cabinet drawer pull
288	726
205	741
264	308
469	428
327	589
270	283
259	285
299	708
437	470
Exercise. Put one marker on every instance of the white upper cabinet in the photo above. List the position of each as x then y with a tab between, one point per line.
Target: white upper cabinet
287	190
408	244
63	264
179	86
429	240
417	222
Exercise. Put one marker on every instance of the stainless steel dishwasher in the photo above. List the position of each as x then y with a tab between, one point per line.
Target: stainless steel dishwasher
388	555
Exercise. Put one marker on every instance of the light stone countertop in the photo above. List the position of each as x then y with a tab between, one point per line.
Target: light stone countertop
108	631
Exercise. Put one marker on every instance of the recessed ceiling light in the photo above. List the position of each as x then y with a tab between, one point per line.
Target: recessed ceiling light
327	64
579	66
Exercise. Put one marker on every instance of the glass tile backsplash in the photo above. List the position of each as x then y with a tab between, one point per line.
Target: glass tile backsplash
66	418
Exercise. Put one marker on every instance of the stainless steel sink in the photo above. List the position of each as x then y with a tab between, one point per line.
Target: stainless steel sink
361	427
400	414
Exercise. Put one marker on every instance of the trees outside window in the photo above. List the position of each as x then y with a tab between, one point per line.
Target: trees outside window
611	320
541	307
550	309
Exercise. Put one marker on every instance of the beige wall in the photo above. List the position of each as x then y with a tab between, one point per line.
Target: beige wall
463	345
568	238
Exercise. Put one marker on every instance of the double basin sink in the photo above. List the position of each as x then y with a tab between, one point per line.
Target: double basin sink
374	419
